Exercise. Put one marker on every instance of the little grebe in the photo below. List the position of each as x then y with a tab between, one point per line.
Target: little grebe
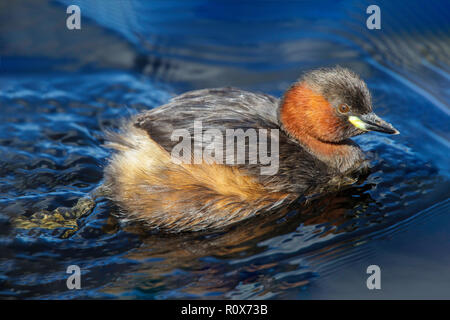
313	123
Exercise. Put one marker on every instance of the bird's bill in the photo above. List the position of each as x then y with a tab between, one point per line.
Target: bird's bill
371	122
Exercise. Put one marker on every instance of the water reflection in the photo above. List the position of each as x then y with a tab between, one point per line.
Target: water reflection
213	262
57	92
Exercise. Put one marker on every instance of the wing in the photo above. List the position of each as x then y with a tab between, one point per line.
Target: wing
230	108
222	108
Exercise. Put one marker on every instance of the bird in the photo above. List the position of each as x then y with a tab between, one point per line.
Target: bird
203	187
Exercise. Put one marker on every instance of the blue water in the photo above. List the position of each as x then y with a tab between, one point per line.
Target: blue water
59	88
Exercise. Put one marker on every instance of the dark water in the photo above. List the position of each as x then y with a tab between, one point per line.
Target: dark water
59	88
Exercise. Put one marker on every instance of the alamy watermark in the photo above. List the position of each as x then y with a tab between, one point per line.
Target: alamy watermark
74	280
229	146
374	280
73	22
374	20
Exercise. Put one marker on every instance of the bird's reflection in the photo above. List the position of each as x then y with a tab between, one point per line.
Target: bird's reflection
204	256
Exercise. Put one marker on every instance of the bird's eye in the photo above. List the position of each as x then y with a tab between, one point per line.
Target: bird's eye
343	108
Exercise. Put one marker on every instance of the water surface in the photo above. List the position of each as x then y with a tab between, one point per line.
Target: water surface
59	88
